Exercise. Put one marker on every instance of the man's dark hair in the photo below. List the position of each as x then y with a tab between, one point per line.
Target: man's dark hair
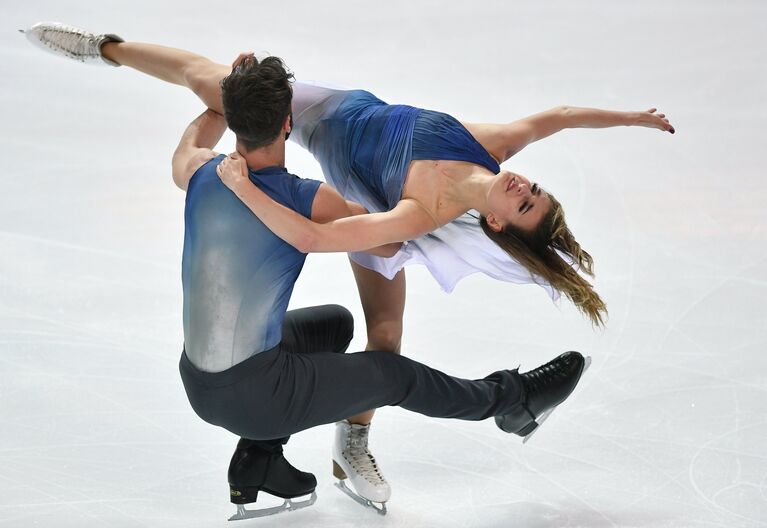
256	97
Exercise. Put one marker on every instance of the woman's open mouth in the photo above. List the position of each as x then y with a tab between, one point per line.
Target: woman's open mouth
512	184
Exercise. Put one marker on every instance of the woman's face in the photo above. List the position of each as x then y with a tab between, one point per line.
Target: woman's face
515	200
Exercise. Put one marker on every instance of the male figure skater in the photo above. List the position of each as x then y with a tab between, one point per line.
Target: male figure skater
264	374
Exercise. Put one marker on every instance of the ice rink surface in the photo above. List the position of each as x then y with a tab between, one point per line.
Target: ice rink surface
668	428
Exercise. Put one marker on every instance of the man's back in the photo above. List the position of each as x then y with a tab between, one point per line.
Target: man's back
237	275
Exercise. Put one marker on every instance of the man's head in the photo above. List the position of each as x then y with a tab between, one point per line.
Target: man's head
257	97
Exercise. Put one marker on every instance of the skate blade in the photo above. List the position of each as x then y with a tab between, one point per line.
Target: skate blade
381	510
545	416
288	505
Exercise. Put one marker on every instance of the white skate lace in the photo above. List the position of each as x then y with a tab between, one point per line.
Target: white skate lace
71	41
360	458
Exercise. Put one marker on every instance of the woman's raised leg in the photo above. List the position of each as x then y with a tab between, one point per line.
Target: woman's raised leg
199	74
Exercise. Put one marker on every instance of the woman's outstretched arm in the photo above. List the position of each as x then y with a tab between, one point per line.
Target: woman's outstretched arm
503	141
355	233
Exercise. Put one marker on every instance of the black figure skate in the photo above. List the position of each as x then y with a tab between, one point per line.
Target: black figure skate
545	388
261	466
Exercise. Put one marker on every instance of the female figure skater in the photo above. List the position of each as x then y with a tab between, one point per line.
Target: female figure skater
420	171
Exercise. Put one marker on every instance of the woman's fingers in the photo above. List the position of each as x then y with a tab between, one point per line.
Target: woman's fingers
241	57
660	120
232	168
223	168
243	166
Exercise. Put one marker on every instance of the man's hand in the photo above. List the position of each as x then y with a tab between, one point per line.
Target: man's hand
233	171
653	119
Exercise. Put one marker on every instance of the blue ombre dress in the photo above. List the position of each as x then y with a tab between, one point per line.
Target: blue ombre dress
365	147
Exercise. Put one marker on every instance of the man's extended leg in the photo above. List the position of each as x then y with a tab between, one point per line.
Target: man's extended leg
277	393
281	393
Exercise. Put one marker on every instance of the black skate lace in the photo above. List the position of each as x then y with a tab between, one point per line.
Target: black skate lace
538	379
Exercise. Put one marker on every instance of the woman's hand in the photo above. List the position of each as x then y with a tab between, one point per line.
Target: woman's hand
654	119
242	57
233	171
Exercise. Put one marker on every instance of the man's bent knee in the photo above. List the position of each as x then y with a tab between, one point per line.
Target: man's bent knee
345	327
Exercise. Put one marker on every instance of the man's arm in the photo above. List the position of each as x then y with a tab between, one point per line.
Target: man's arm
195	147
503	141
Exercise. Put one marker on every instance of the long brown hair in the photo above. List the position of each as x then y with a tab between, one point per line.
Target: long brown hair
539	252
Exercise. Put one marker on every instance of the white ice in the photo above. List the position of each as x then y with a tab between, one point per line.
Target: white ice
668	429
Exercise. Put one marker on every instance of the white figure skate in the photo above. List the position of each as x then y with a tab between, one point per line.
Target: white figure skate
70	42
352	459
